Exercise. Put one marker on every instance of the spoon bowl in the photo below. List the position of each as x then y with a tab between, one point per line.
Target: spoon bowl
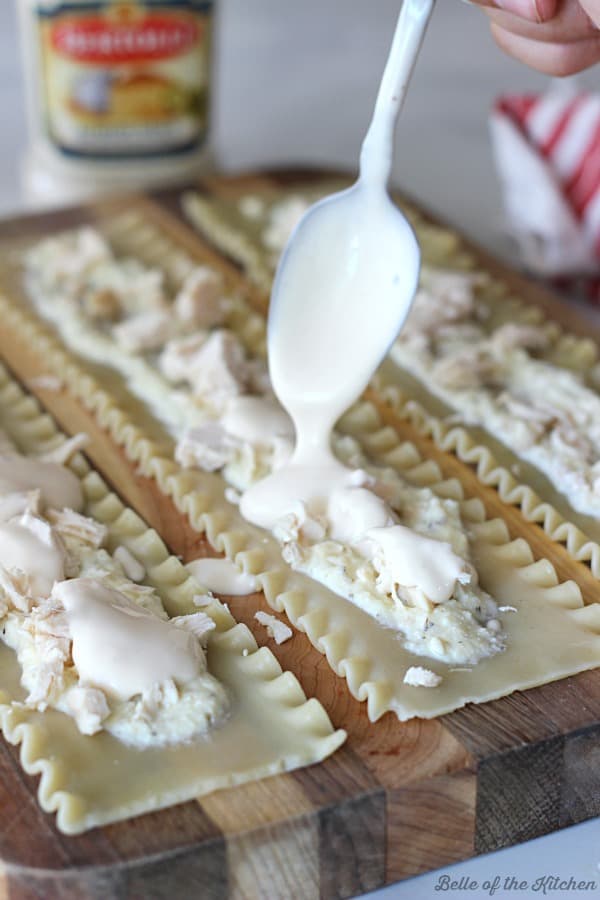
353	260
342	291
349	274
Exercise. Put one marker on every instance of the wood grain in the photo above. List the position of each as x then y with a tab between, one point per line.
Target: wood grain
431	820
396	800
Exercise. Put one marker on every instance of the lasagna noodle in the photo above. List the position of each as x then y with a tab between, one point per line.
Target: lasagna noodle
517	481
357	647
90	781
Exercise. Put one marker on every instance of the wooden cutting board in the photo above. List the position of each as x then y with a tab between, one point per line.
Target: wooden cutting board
397	800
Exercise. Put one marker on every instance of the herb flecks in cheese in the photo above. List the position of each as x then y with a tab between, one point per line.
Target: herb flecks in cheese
400	553
90	641
126	298
502	377
428	592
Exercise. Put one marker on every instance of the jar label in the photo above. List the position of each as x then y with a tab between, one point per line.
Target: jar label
124	78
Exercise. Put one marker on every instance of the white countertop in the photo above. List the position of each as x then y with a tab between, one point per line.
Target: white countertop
295	85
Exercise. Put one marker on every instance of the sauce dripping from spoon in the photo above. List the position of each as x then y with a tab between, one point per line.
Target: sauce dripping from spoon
343	289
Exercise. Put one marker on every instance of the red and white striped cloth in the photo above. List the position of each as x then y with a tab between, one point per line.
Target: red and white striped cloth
547	149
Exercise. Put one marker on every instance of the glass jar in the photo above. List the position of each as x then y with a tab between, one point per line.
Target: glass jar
118	94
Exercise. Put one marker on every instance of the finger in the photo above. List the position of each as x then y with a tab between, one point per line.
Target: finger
552	59
592	8
571	23
533	10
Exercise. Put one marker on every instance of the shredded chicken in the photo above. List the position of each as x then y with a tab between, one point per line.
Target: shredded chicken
215	368
445	297
42	551
198	623
48	628
207	447
278	630
179	355
200	302
417	676
219	371
72	524
144	331
297	525
15	590
471	368
507	379
89	708
119	288
64	262
513	335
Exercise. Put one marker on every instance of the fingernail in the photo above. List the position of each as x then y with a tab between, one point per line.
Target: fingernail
534	10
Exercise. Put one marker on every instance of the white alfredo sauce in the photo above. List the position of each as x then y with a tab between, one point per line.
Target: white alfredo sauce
120	647
59	488
29	545
223	577
328	332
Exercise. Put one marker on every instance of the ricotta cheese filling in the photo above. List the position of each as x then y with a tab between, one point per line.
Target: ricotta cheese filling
497	378
90	641
403	557
398	552
118	312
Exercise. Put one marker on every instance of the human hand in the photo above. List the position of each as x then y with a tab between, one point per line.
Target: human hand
558	37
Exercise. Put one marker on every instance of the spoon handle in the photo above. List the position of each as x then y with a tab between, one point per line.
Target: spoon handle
377	148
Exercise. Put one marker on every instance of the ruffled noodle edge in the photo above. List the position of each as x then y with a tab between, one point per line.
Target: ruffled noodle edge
194	494
445	246
442	246
33	429
455	439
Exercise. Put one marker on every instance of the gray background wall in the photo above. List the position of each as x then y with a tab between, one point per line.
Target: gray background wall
295	82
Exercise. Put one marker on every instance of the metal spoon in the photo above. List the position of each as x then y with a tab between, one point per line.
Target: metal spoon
353	259
342	290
